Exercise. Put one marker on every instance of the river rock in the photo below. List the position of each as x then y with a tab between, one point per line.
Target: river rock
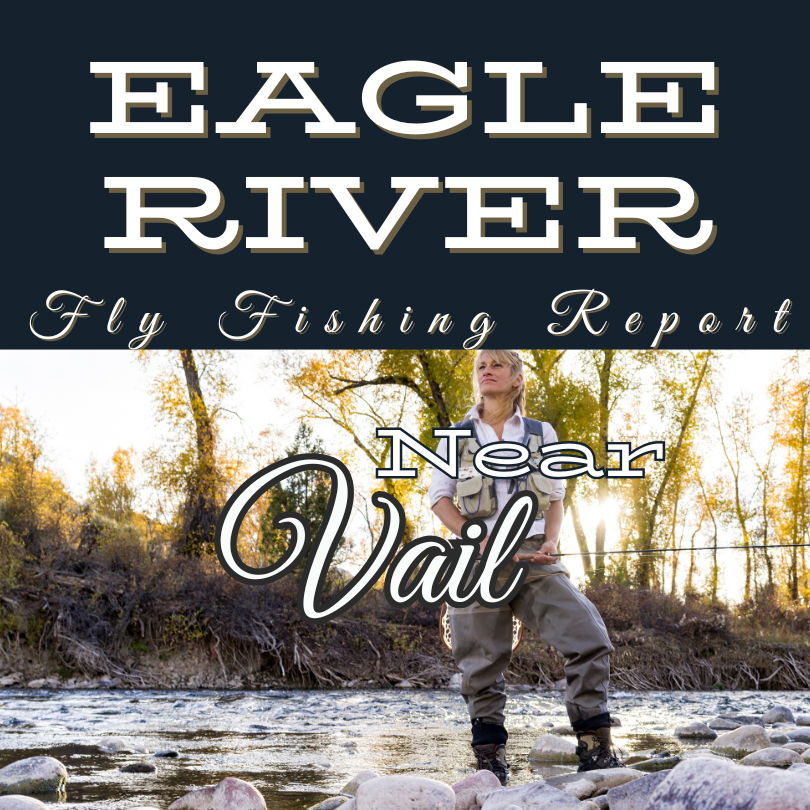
350	788
33	775
468	789
696	730
600	803
229	794
778	714
723	724
39	683
404	793
166	754
634	795
800	768
802	720
551	748
565	730
655	764
700	784
535	796
806	755
772	757
599	782
404	685
705	753
743	719
330	804
778	737
799	735
114	745
798	747
743	740
21	803
455	681
138	767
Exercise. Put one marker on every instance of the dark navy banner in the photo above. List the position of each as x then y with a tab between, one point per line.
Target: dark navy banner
517	189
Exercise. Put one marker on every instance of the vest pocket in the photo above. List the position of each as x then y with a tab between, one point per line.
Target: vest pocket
476	499
541	486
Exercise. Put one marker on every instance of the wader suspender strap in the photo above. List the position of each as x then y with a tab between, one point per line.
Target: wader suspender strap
531	427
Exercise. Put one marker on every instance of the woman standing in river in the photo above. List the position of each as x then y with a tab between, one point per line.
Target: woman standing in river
547	603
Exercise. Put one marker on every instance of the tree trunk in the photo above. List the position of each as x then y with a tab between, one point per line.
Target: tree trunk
602	461
570	502
645	569
202	507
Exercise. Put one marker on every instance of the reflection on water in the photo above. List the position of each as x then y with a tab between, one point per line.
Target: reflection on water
298	747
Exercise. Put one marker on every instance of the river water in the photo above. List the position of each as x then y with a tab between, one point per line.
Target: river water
298	747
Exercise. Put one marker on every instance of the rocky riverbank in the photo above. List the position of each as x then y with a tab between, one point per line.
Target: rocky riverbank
705	778
754	754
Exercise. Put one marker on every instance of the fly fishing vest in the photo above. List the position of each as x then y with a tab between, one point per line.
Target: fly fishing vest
475	493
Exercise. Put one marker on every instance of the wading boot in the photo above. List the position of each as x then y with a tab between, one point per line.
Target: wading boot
595	750
492	757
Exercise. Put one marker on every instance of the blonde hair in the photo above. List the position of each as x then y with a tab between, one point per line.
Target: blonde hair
513	360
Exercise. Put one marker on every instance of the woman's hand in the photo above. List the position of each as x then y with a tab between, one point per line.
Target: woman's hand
546	554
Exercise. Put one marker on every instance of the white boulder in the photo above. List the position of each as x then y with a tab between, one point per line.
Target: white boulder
350	788
723	724
697	731
635	795
798	747
114	745
599	782
535	796
743	740
772	758
705	784
469	788
21	803
404	793
33	775
229	794
551	748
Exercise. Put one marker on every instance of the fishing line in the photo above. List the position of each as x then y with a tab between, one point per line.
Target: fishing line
653	551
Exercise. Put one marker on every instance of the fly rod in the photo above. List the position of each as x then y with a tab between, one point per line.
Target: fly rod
525	555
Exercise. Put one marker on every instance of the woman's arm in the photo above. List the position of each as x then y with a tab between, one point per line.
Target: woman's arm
448	513
554	518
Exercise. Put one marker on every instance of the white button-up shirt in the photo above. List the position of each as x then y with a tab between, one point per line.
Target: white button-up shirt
442	486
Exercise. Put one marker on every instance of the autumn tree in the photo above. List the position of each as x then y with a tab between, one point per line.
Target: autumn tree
793	388
306	493
188	388
111	488
570	407
359	391
734	432
34	503
680	380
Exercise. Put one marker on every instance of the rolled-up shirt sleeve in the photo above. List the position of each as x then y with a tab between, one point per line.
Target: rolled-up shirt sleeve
558	489
441	485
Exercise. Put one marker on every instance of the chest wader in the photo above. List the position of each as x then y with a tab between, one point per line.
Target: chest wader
476	499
